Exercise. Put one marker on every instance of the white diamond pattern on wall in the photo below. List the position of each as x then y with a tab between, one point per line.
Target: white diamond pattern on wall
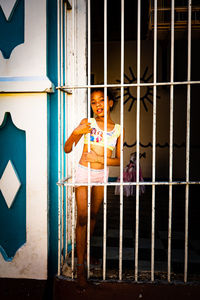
9	184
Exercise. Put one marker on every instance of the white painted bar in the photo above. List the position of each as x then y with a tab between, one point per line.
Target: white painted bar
171	142
59	141
113	85
73	217
134	183
73	152
138	138
187	141
121	145
154	142
105	142
89	105
62	128
65	135
60	134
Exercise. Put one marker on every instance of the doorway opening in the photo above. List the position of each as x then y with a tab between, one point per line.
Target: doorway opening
147	53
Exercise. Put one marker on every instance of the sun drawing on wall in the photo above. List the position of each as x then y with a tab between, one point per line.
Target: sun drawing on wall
130	92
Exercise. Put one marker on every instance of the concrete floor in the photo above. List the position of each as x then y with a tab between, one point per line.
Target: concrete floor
62	289
23	289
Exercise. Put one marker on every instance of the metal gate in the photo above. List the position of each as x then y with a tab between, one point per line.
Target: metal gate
72	87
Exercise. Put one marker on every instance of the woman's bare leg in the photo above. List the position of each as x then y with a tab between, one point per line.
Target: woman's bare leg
81	226
81	229
97	198
97	195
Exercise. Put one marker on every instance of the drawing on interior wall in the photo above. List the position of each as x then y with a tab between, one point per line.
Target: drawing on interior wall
165	145
130	92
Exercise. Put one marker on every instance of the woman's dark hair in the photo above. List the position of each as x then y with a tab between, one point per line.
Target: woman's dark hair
110	94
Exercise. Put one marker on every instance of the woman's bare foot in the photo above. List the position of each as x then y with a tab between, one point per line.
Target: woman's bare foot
81	276
93	260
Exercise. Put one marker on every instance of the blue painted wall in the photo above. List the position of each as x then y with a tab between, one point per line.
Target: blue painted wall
13	219
12	30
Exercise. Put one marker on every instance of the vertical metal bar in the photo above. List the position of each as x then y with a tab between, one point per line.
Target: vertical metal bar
105	140
62	130
121	145
187	141
89	179
171	141
73	156
154	143
138	138
69	195
59	125
73	215
65	39
66	189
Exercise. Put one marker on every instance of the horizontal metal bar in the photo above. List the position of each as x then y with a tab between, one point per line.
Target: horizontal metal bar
180	8
130	183
66	87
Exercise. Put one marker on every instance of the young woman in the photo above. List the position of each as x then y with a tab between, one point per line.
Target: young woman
94	126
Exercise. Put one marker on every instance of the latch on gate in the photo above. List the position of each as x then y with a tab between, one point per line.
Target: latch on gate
69	7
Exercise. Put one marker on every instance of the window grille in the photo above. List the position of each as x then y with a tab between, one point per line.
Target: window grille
169	18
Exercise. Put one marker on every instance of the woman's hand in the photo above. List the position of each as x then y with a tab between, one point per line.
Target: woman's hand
83	129
91	156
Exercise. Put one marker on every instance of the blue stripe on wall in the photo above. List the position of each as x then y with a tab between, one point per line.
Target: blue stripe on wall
53	137
13	219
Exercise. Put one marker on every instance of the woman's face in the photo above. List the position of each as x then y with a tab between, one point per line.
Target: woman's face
97	103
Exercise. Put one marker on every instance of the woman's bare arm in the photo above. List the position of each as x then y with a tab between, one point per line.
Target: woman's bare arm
83	128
